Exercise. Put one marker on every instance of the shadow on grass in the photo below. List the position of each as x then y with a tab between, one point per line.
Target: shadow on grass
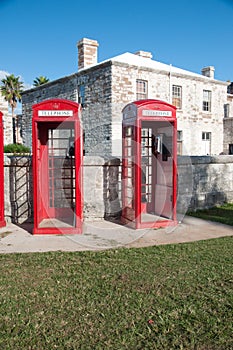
222	214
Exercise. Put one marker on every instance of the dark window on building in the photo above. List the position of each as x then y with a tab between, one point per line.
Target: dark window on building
206	101
179	142
206	136
141	89
226	110
81	94
231	148
177	96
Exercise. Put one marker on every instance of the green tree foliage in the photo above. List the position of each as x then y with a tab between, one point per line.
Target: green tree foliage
16	149
11	90
40	81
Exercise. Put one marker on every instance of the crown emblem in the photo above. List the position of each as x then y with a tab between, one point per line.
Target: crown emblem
56	105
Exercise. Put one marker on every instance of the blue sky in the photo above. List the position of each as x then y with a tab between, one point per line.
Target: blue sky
39	37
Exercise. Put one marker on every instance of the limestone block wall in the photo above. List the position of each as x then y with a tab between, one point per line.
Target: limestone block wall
202	183
209	178
97	111
102	196
100	188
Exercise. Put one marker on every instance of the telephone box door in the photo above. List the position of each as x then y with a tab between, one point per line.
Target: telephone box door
57	155
149	164
2	221
157	170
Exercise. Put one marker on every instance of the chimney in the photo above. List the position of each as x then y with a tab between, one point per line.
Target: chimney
144	54
87	53
208	72
230	88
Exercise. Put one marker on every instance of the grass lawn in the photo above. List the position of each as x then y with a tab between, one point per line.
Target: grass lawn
223	214
165	297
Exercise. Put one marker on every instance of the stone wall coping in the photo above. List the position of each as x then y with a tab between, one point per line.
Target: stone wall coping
12	159
221	159
88	160
107	161
202	182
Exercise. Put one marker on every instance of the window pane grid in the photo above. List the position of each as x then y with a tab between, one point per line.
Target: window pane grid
206	136
129	168
177	96
141	89
206	101
146	173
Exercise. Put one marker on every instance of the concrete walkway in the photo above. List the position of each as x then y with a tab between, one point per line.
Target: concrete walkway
100	235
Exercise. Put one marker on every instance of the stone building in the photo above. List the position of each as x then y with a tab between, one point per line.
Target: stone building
7	121
104	88
228	122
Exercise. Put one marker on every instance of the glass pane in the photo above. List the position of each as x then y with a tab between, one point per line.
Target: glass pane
60	207
128	171
156	171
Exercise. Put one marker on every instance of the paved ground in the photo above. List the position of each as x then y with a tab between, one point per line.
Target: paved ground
100	235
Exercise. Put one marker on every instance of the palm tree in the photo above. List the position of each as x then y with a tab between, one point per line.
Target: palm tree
11	90
40	81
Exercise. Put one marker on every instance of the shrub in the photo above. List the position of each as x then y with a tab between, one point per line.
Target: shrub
16	148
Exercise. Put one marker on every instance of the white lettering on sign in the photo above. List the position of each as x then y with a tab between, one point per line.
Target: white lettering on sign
55	113
152	113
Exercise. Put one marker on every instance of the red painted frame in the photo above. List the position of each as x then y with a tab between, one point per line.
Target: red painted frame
2	220
61	108
133	115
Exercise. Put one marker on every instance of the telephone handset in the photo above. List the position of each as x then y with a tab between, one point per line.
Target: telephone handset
157	144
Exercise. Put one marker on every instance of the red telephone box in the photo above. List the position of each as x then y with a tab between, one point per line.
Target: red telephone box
149	173
2	221
57	167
